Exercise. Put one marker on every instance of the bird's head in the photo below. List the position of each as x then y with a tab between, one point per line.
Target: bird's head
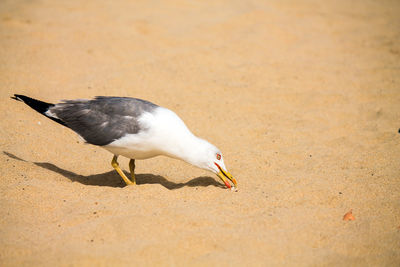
210	158
220	169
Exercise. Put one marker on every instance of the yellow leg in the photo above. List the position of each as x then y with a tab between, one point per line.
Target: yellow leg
132	168
115	165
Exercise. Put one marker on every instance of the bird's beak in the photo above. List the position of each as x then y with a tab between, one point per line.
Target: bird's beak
224	175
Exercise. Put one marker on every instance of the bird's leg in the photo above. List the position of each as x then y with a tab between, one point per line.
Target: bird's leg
115	165
132	168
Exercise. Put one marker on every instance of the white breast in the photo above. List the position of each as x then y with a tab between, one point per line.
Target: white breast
164	134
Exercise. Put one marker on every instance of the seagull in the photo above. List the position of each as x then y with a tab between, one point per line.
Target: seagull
133	128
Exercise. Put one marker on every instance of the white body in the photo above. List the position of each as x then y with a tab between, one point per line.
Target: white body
166	134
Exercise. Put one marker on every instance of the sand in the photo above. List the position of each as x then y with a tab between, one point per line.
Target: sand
302	97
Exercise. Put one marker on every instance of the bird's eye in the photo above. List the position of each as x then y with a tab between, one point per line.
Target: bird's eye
218	156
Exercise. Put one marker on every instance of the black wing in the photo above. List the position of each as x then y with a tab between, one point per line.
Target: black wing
104	119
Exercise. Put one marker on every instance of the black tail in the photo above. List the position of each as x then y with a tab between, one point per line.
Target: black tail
37	105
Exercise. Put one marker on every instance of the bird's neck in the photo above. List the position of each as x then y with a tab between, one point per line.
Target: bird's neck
177	140
188	149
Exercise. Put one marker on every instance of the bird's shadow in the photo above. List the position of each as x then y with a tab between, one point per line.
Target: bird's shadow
112	179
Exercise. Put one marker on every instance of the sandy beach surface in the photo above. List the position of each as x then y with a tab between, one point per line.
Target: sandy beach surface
302	97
